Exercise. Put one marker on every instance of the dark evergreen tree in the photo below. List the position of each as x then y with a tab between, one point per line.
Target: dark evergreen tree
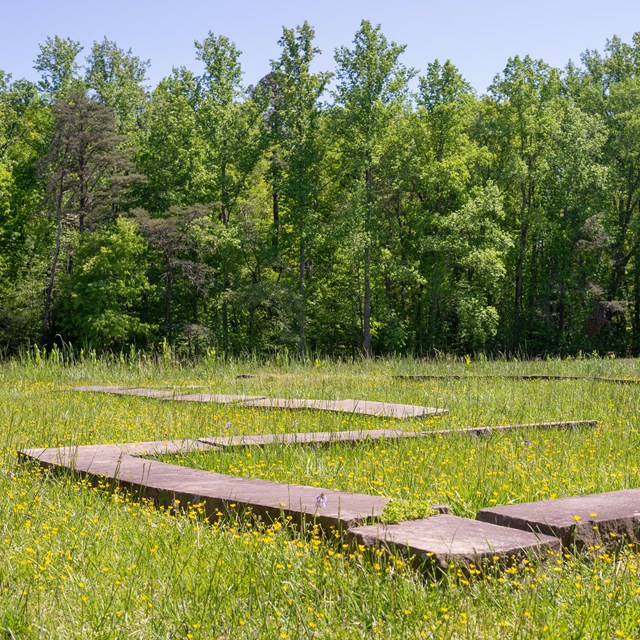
89	173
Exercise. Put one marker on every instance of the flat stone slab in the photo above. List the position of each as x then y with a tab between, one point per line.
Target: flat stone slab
162	447
444	539
366	407
316	437
487	431
167	483
355	436
582	520
220	398
436	541
97	388
529	377
82	457
584	379
458	376
127	391
146	393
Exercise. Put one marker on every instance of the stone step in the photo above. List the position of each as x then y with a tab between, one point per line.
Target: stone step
146	393
219	398
127	391
440	540
362	435
315	437
530	377
366	407
167	483
487	431
601	518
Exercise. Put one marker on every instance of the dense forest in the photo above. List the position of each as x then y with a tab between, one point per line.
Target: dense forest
371	210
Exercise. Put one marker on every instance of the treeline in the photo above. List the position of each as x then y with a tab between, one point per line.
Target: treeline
370	210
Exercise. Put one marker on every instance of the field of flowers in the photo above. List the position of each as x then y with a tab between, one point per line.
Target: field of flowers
79	561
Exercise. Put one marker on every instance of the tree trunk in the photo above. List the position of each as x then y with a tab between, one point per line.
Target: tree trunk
635	336
366	324
366	327
83	199
620	258
563	277
276	221
224	217
167	300
56	257
302	320
224	214
434	302
517	302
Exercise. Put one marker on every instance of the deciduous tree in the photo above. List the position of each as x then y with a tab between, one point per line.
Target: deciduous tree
116	77
372	85
298	144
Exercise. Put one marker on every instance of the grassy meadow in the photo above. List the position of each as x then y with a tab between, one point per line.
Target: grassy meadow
81	562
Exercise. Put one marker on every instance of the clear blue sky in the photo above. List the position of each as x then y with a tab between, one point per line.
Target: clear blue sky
477	35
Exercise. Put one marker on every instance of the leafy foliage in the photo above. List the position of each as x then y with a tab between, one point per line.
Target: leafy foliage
328	211
102	299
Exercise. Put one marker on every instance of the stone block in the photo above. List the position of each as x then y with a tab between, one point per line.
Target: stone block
219	398
601	518
440	540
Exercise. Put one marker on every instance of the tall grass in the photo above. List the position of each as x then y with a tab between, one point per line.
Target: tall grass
82	562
